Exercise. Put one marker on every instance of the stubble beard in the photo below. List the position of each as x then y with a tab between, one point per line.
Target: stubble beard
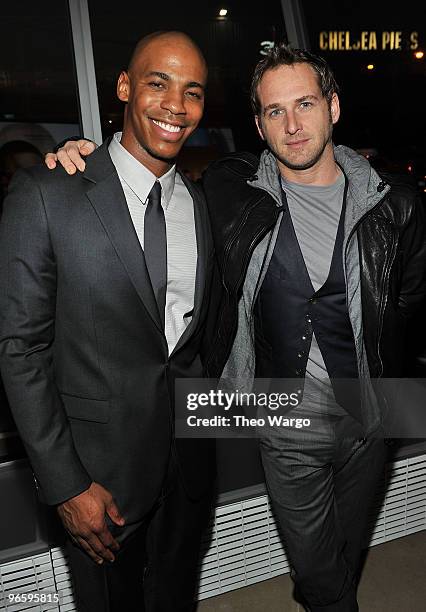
312	160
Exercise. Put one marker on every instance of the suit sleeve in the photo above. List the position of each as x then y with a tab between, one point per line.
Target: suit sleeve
27	335
413	283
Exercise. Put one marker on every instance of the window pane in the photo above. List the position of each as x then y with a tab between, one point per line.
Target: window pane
38	101
372	48
38	106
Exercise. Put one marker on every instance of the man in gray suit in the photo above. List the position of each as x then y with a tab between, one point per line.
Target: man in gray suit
104	280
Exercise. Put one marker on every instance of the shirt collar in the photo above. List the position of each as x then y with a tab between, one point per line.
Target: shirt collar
137	176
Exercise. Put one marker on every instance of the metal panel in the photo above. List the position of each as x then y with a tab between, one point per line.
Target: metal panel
85	68
297	33
242	546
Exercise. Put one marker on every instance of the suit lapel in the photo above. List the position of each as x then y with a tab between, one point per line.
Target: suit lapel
201	232
107	198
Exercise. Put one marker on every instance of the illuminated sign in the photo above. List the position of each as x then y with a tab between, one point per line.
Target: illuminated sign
266	46
367	41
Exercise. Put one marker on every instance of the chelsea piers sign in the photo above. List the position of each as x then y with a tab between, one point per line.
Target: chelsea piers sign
367	41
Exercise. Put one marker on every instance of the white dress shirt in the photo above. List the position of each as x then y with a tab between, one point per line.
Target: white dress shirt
137	181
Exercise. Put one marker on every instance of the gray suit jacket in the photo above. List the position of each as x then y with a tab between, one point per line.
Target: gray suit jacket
83	356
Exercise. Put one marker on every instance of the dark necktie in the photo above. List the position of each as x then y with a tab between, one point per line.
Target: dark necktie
155	247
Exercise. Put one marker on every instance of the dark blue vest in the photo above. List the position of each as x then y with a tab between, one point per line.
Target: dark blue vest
288	310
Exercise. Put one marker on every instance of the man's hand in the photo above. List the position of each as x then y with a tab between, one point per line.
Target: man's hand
70	155
83	517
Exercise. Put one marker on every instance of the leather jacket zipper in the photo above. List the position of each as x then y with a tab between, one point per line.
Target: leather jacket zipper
383	297
383	301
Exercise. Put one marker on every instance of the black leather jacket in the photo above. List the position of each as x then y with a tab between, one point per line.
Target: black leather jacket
392	255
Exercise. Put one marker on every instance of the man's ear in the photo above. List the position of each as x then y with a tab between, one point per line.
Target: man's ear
123	86
335	108
259	126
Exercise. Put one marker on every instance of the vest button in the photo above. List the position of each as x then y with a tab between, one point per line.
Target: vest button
313	300
303	337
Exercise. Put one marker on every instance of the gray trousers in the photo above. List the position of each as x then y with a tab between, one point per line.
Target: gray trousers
321	483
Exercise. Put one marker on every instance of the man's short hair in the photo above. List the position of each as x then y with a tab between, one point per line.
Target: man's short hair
284	55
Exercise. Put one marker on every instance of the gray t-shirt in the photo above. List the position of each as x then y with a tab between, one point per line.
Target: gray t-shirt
315	212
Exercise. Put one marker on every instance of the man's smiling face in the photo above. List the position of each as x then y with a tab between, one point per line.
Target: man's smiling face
164	91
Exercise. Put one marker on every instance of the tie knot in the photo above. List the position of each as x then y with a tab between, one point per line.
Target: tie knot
154	196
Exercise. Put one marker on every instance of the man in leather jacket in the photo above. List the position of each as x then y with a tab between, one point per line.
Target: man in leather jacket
320	263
